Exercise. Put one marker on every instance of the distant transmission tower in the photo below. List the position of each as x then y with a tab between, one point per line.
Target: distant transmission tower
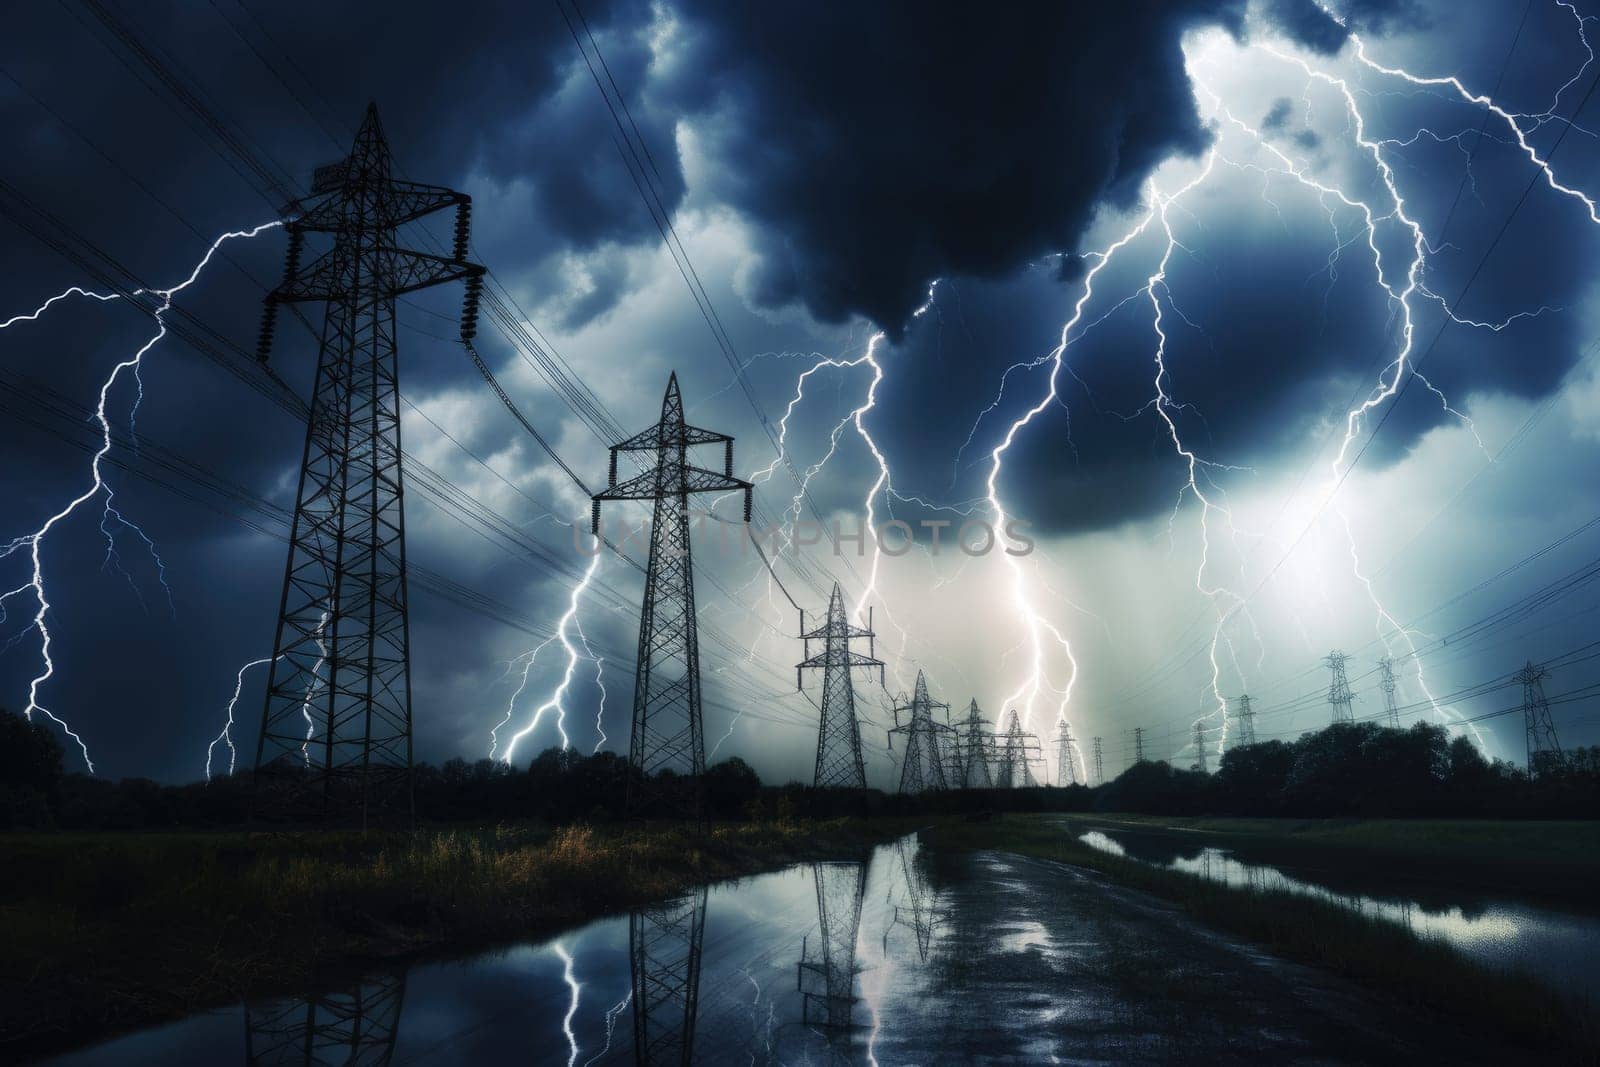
1019	750
974	750
1247	722
1200	748
1386	682
1099	761
1066	762
1138	744
923	766
1339	695
827	979
839	763
1542	743
335	736
667	733
664	944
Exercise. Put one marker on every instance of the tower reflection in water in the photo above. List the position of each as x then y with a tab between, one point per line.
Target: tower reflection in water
827	970
354	1027
664	943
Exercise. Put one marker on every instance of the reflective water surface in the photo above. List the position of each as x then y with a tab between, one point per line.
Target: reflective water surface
1559	947
901	956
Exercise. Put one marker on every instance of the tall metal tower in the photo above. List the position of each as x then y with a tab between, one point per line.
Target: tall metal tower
839	762
827	979
667	733
1541	731
1138	744
1066	761
1339	695
923	766
1200	748
336	729
1099	761
1386	682
1019	750
664	943
1247	722
356	1025
974	750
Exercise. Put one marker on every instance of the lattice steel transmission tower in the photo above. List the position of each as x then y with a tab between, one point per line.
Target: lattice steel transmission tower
1200	748
353	1026
1386	682
1099	761
1339	695
1247	722
1138	744
974	750
664	943
827	980
336	729
839	762
1066	761
926	741
667	732
1019	750
1541	731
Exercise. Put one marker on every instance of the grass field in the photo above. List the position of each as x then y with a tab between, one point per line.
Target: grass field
110	931
1425	974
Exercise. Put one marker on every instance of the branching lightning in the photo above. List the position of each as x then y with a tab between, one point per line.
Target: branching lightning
556	700
226	736
35	542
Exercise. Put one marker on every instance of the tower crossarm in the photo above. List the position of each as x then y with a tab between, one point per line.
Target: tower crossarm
673	478
649	440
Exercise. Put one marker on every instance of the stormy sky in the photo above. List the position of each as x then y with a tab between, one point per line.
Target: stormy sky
1131	265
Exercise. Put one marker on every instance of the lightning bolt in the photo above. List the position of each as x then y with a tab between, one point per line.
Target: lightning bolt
226	736
35	542
555	701
612	1013
570	978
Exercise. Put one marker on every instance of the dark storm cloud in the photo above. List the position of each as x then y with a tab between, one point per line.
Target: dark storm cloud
899	142
1310	23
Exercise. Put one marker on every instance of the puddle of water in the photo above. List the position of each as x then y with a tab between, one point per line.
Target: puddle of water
1563	949
899	957
787	966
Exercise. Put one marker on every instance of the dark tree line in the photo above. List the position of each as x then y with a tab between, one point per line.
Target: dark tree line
1348	770
1363	769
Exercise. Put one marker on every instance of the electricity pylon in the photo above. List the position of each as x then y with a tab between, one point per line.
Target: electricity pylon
923	766
664	943
1099	761
1541	731
1386	682
1339	695
1066	762
354	1026
336	729
1200	748
1138	744
974	750
1019	749
827	980
1247	722
667	733
839	762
